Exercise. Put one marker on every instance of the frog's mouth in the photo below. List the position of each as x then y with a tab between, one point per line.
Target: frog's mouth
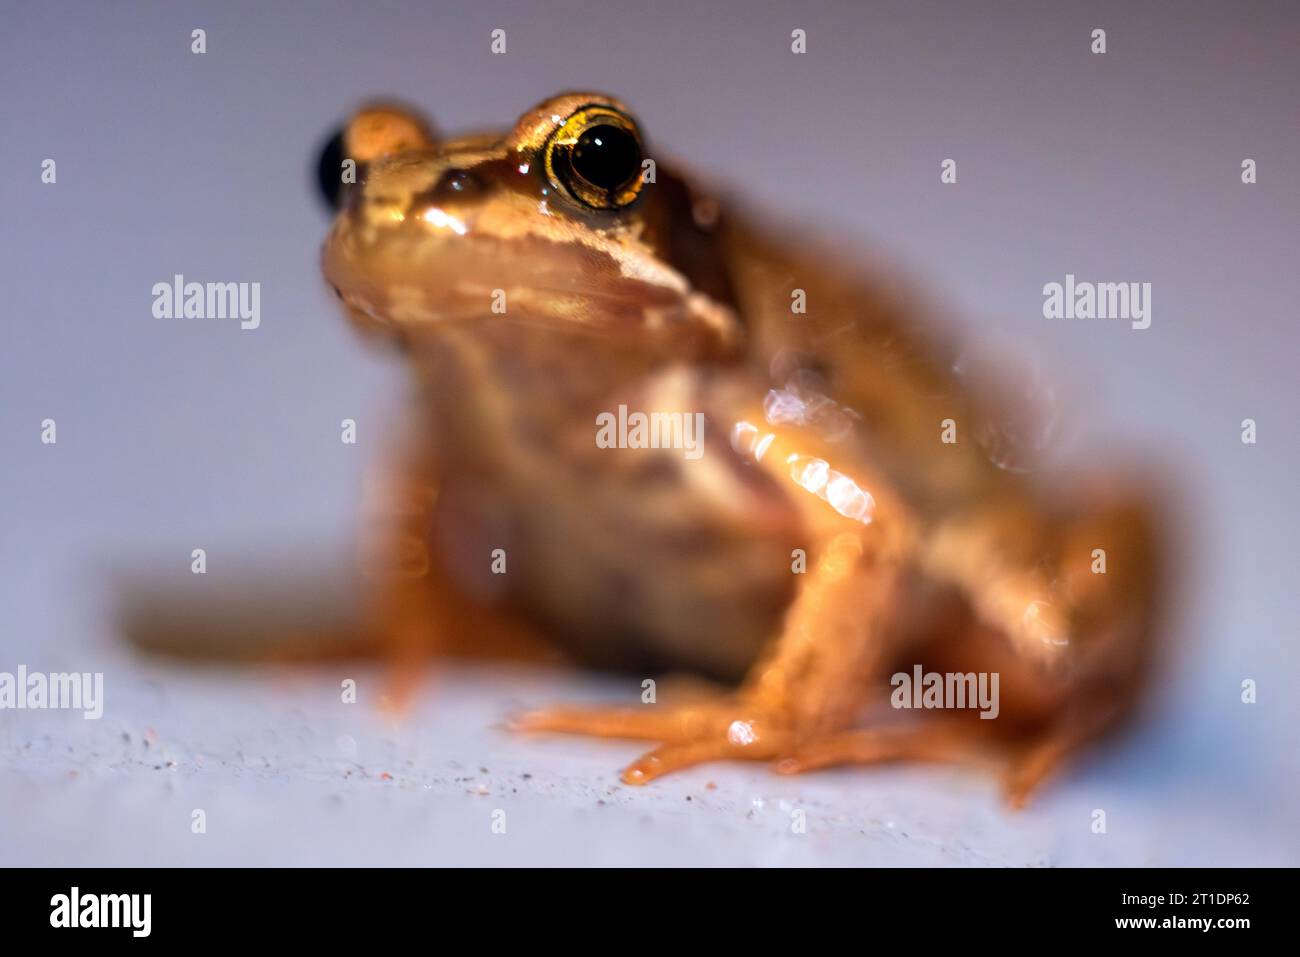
408	279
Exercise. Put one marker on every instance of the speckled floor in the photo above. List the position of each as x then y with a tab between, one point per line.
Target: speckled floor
285	773
177	435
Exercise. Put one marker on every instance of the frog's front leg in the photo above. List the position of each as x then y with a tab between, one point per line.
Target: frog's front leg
403	613
839	634
415	611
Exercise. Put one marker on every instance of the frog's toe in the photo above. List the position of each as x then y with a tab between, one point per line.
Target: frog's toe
673	757
711	731
649	723
875	746
739	739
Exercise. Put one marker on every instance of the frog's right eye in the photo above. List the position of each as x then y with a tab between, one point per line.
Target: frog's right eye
373	132
595	156
331	175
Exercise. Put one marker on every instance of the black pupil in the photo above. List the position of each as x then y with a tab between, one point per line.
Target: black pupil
607	157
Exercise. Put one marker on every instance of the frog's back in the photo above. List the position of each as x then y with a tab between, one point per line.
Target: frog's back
860	345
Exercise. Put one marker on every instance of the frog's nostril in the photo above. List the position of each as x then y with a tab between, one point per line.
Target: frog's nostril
452	185
458	182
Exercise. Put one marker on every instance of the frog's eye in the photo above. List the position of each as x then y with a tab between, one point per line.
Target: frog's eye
374	132
595	157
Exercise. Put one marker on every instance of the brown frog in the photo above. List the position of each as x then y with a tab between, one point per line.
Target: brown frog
661	438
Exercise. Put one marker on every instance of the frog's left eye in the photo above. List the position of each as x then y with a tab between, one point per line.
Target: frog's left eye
595	156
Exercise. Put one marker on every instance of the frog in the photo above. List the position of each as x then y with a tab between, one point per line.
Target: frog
845	519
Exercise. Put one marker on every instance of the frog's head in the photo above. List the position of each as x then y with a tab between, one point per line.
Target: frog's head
563	223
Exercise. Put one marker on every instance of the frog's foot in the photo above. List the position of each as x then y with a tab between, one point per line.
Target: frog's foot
721	729
1022	776
926	742
1025	776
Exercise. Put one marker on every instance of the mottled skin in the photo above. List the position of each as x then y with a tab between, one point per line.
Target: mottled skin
924	553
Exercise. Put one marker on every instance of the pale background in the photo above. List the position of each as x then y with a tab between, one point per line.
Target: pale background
173	435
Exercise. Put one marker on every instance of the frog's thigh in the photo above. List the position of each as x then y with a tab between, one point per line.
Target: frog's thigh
1031	576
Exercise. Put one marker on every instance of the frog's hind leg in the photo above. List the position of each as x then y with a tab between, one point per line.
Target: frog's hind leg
1109	584
1074	594
1029	767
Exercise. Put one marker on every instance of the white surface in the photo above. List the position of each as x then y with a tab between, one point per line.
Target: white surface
288	774
174	436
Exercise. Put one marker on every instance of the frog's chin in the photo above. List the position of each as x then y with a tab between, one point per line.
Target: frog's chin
688	327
